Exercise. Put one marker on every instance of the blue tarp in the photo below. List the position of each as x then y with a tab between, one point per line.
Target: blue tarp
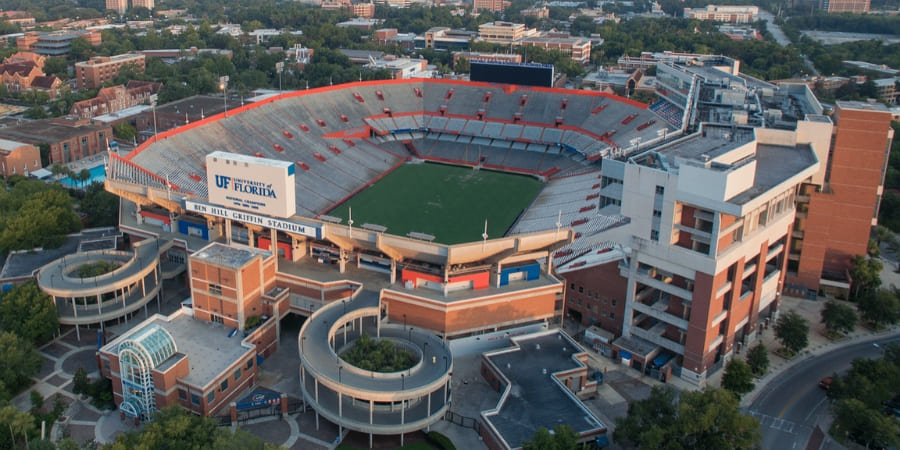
624	354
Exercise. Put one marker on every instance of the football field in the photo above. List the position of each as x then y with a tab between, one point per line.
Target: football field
448	202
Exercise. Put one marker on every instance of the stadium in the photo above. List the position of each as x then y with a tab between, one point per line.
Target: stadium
436	205
345	139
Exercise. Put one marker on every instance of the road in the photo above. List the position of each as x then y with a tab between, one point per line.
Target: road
774	28
793	404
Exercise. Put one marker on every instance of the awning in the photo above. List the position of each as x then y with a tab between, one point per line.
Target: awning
625	354
40	174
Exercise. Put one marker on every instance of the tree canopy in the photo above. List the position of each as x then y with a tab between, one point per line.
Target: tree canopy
792	330
561	438
19	360
881	307
28	313
701	419
866	398
758	359
35	214
174	427
738	377
839	317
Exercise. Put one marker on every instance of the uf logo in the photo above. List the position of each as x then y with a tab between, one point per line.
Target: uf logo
222	181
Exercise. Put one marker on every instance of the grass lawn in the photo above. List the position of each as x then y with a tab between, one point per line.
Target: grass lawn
448	202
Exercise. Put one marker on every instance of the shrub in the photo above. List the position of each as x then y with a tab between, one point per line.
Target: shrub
251	322
439	440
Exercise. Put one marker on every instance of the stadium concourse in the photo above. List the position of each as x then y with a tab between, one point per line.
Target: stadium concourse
274	175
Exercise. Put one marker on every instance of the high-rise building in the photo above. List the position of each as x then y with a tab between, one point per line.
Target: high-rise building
120	6
836	210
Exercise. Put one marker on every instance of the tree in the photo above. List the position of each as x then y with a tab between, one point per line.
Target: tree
758	359
563	437
792	331
865	274
854	421
701	419
881	233
19	360
738	378
881	307
100	206
28	312
174	427
83	176
125	131
34	214
838	317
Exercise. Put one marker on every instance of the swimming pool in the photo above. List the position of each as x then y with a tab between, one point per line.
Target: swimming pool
98	175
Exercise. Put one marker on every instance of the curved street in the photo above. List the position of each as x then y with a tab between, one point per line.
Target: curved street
792	404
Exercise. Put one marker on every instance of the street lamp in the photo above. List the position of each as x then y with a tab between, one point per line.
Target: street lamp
446	363
302	341
344	304
409	335
404	321
340	368
223	85
402	382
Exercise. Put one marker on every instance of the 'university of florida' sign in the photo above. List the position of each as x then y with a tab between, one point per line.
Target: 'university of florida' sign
251	184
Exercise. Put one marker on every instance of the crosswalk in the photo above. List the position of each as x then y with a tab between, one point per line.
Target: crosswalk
773	422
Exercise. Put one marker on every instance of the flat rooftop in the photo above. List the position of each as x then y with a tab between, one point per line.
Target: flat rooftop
712	142
47	130
24	263
774	165
207	346
860	105
535	399
234	256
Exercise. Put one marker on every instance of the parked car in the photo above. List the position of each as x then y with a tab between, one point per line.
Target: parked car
825	383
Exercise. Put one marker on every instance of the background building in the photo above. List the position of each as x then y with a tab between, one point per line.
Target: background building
91	74
846	6
69	140
120	6
18	158
55	43
720	13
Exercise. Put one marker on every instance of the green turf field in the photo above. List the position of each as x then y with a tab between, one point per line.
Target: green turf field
448	202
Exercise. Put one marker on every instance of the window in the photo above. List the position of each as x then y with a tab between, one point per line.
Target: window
182	395
657	213
660	190
572	286
237	374
215	289
612	315
210	397
581	289
614	302
249	364
654	235
195	399
224	386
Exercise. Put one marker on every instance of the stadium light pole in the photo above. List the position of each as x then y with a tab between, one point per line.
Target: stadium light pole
223	85
484	236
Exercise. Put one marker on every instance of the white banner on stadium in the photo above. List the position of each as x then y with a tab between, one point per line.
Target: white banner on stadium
249	183
245	217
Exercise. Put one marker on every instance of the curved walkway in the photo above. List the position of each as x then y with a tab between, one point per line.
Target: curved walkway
370	402
80	301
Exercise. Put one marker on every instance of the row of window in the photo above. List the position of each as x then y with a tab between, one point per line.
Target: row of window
211	396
